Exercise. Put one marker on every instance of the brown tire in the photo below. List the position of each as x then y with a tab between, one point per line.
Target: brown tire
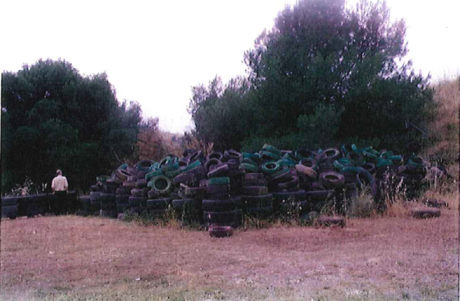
220	231
329	221
425	212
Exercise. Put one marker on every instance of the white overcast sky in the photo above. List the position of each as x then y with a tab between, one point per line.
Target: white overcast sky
154	51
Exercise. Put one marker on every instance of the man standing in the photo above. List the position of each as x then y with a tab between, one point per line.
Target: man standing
60	188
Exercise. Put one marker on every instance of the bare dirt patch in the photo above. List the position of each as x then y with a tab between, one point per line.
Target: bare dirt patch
80	258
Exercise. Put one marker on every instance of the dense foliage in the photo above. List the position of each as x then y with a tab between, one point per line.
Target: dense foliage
53	117
324	74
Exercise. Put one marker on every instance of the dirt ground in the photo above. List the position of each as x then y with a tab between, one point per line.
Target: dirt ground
90	258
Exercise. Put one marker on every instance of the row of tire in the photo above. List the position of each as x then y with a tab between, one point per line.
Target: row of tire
37	204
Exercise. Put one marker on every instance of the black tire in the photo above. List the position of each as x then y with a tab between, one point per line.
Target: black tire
109	206
122	199
211	162
293	183
364	178
299	195
157	213
158	204
122	174
137	210
152	194
233	173
198	155
427	212
121	208
319	195
109	213
130	184
260	212
233	164
194	192
109	188
218	205
179	204
328	221
254	201
217	189
131	179
254	183
308	162
108	198
185	178
331	154
369	167
220	231
132	171
137	201
332	179
138	192
221	171
93	196
199	172
144	165
10	211
356	159
123	190
232	154
283	175
221	217
253	176
9	201
254	190
141	183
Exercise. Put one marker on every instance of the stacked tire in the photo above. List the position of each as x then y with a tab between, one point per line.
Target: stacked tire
219	207
85	203
10	207
191	184
108	205
255	200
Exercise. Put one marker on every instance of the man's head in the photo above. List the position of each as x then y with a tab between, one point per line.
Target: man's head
59	172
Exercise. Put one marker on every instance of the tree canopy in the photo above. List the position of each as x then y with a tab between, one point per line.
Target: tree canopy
326	73
53	117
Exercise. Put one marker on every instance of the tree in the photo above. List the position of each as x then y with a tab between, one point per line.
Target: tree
52	117
321	54
222	114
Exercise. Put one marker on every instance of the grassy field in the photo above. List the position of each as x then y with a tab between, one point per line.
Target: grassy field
380	258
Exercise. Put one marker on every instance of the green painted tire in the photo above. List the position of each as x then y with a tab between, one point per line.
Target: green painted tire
269	156
270	167
219	181
271	149
161	184
249	167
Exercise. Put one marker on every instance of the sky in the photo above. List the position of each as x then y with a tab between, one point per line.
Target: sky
154	52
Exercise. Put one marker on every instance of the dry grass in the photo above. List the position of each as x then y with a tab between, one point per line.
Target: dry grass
76	258
397	208
444	137
362	205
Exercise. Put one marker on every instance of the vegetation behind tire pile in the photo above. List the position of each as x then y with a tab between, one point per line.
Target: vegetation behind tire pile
319	82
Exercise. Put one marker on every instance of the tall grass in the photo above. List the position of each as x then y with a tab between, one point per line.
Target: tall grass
443	142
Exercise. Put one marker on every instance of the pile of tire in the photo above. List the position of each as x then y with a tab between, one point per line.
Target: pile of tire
222	187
